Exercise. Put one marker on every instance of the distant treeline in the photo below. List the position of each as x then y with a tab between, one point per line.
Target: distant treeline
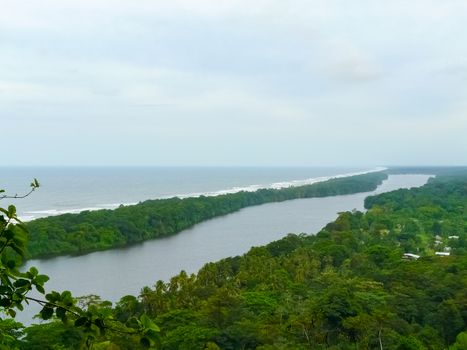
432	170
104	229
348	287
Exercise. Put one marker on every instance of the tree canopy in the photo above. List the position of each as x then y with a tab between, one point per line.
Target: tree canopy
369	280
86	327
105	229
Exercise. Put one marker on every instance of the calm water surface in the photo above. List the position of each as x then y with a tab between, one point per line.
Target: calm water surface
115	273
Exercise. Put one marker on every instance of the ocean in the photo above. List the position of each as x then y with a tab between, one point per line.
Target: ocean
74	189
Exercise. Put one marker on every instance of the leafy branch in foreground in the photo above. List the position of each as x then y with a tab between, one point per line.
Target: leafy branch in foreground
96	322
34	185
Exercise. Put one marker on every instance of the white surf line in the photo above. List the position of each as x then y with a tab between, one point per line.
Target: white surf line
36	214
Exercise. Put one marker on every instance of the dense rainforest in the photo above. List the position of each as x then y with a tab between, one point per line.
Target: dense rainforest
368	280
104	229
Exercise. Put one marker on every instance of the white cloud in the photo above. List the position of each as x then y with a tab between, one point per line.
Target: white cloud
254	72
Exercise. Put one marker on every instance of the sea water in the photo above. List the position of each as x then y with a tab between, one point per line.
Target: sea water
73	189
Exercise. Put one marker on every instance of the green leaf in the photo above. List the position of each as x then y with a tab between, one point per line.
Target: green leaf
5	302
148	323
11	264
66	295
132	323
21	283
18	250
9	234
40	289
60	312
41	279
81	321
33	271
47	312
35	183
11	211
53	297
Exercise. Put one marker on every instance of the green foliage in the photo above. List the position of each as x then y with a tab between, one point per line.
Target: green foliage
105	229
15	285
347	287
79	327
10	332
461	342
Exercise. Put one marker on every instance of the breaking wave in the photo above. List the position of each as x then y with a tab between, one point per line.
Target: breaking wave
35	214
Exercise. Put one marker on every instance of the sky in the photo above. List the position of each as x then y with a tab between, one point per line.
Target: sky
233	83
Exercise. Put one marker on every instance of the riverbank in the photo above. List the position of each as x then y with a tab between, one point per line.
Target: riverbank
89	231
233	234
114	273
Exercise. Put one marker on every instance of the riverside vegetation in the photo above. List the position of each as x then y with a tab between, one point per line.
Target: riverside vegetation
106	229
347	287
93	322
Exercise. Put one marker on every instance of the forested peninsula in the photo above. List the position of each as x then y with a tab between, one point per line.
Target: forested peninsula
105	229
366	281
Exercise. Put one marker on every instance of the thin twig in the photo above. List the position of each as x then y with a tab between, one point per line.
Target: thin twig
16	195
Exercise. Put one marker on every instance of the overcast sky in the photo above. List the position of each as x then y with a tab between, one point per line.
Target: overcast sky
197	82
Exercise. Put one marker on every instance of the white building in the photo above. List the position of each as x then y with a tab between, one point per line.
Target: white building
411	256
442	253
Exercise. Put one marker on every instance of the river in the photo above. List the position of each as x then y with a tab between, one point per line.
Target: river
114	273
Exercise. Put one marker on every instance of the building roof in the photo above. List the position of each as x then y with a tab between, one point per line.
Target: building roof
443	253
